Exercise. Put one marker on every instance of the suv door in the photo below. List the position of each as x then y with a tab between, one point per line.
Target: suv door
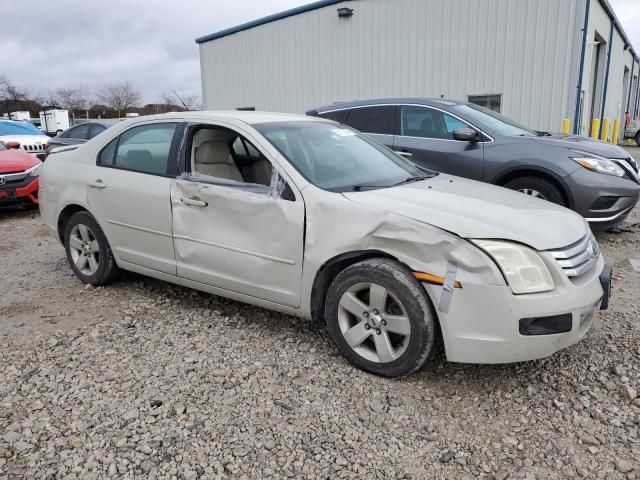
426	137
237	226
128	191
377	121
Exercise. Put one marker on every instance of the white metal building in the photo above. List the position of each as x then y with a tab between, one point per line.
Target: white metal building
537	61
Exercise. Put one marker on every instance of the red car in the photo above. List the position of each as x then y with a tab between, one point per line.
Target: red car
19	176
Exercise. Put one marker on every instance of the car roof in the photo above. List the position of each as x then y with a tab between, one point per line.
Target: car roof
249	117
432	102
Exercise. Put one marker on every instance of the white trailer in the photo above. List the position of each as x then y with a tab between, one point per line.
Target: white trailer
54	121
21	115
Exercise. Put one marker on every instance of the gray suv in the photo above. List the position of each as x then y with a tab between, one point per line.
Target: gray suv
596	179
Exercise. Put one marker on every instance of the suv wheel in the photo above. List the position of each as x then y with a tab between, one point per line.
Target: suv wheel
88	251
537	187
380	318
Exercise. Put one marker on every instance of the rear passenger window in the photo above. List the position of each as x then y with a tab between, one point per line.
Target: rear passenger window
80	132
142	149
336	115
372	119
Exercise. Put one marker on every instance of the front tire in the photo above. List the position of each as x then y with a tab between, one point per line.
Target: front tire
380	318
537	187
638	139
88	251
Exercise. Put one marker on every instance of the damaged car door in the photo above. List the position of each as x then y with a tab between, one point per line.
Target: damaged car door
237	224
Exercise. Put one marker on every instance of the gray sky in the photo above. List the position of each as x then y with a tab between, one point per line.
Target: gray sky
49	44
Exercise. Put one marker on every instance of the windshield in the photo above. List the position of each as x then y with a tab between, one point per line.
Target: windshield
10	127
3	147
337	158
492	122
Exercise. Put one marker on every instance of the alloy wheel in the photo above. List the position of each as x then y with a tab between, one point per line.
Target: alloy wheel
374	323
533	193
84	248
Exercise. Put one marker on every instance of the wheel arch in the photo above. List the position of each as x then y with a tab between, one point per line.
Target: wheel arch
332	267
530	171
64	216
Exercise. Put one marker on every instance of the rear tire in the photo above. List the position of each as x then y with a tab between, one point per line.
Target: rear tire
88	251
380	318
638	139
537	187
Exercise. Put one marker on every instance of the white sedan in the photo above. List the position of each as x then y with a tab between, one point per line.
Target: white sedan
308	217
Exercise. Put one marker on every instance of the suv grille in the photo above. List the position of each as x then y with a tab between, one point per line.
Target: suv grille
579	257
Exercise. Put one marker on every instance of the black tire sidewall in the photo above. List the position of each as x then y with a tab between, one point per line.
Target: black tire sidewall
413	298
102	275
550	191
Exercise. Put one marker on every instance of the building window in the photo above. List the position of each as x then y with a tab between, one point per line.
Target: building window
492	102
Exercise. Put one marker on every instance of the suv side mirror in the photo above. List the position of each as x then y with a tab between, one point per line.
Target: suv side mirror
465	135
13	144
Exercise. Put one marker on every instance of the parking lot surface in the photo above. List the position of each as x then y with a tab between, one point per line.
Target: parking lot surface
142	379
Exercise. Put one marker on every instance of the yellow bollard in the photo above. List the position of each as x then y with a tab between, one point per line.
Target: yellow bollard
605	130
616	131
566	126
595	128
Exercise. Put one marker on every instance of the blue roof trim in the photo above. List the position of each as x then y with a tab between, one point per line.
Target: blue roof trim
269	19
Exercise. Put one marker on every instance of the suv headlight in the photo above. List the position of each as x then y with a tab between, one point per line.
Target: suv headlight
524	269
34	171
595	163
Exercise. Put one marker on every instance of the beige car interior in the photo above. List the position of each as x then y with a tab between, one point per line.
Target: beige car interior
212	155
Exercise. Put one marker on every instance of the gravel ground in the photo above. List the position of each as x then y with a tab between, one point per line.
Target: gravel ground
143	379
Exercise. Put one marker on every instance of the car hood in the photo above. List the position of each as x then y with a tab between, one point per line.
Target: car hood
585	144
472	209
12	161
25	139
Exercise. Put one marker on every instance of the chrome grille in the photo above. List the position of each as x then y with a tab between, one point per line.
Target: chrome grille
33	148
579	257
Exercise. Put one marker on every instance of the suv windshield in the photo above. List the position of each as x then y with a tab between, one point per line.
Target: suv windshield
492	122
337	158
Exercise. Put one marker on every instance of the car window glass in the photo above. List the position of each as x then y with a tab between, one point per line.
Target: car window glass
238	147
80	132
336	115
96	130
145	149
108	153
416	121
372	119
337	158
452	123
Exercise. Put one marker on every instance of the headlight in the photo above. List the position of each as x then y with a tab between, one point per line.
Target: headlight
598	164
34	171
524	269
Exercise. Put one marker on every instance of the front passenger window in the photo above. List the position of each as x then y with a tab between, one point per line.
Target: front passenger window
427	122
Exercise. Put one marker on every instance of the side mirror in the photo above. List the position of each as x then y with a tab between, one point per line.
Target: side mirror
465	135
13	144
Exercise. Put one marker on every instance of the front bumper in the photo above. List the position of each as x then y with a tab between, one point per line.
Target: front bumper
483	322
24	192
603	200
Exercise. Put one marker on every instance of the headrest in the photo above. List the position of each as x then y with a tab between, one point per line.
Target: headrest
212	152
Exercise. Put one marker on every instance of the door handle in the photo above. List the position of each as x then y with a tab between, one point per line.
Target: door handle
194	202
404	153
97	184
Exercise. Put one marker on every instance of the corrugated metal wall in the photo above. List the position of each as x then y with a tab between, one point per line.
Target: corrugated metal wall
526	50
615	104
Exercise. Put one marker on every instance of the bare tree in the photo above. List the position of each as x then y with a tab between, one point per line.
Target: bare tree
72	98
10	94
120	96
